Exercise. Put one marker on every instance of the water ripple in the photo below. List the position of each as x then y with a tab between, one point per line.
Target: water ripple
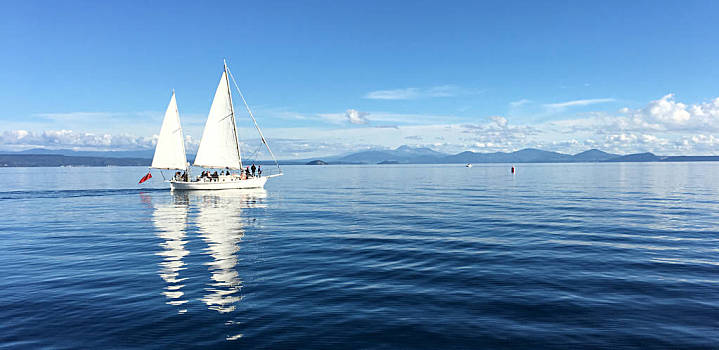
385	257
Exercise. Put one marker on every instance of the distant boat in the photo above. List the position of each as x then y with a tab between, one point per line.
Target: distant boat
219	148
469	165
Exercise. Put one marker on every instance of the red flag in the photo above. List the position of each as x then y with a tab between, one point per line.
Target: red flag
145	178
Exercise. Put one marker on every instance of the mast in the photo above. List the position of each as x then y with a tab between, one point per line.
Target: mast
232	110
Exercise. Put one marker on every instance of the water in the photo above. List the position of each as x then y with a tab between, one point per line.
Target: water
555	256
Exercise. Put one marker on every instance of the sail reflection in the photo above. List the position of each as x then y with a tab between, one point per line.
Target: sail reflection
220	225
170	219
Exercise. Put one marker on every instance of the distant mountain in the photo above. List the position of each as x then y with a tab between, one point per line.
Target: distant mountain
144	154
637	157
316	162
532	155
418	151
402	154
527	155
49	160
406	154
148	154
690	159
594	155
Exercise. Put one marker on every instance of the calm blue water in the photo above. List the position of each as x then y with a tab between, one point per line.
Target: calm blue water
555	256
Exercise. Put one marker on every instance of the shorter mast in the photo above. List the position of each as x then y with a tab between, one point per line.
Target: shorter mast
262	137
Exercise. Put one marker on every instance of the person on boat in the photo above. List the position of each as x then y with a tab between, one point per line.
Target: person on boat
259	171
215	177
184	176
247	171
253	169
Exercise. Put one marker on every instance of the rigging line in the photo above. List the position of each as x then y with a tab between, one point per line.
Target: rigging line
253	154
225	117
262	137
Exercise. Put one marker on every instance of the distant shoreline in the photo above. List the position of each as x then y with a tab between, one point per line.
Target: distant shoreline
50	160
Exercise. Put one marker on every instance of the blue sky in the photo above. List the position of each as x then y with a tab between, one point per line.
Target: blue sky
328	77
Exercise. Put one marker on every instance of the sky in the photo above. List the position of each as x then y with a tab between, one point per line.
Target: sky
333	77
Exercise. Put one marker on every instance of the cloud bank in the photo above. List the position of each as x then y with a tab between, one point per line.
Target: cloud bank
58	139
664	126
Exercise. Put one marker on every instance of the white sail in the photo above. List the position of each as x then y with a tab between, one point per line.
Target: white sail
218	147
170	149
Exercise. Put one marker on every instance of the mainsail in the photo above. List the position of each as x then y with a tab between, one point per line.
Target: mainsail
218	147
170	149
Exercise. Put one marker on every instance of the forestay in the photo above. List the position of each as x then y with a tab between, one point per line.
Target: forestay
218	146
170	149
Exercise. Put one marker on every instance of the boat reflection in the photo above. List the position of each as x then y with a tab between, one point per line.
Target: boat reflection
220	224
170	220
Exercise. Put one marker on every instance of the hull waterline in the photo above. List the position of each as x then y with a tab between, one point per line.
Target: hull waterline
227	184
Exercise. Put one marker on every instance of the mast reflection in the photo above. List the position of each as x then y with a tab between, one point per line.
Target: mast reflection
170	219
219	222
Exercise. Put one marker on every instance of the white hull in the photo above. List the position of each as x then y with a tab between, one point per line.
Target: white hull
223	183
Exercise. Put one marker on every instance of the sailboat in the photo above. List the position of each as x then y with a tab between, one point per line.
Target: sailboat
219	147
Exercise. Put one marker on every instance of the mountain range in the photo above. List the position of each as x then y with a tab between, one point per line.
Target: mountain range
421	155
400	155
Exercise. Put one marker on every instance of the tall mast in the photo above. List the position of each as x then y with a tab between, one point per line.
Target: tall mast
232	110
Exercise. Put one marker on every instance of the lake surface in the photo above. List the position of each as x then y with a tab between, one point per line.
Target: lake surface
622	255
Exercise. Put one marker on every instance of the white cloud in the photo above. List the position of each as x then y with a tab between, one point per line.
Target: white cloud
663	126
22	139
417	93
522	102
585	102
667	114
356	117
